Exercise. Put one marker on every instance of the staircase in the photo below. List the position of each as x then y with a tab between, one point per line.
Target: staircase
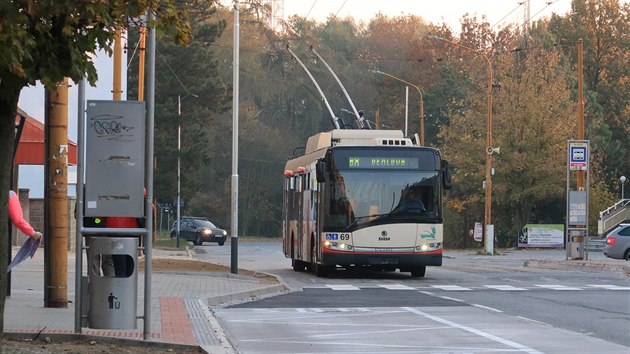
613	216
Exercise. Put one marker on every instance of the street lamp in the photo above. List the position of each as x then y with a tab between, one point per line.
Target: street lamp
421	101
179	147
622	179
489	150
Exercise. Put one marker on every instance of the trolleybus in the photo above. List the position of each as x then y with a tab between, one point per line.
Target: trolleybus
364	198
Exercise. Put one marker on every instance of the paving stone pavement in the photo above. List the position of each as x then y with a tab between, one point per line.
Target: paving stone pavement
179	306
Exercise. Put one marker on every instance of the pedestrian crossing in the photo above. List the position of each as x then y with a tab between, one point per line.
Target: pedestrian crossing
455	288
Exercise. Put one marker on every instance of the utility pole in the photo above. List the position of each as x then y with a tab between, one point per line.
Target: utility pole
56	198
580	67
143	36
117	90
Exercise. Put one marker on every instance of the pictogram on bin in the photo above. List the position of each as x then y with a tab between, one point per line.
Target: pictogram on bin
113	298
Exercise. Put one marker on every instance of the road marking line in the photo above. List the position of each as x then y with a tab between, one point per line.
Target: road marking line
611	287
396	287
451	287
478	332
343	287
530	320
557	287
486	308
451	298
505	287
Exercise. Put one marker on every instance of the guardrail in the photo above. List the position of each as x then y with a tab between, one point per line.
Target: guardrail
596	244
613	216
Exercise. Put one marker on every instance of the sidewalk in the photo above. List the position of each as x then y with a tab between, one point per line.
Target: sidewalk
535	258
179	306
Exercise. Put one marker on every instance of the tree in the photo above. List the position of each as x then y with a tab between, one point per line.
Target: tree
48	40
604	27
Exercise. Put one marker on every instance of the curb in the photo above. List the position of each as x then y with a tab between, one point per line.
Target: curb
246	296
63	337
573	264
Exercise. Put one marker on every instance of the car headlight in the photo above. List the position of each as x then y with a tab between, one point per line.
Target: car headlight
207	232
224	233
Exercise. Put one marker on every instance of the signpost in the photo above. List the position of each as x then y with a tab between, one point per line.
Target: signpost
577	200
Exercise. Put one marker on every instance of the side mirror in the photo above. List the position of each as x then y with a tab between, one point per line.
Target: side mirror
320	171
447	177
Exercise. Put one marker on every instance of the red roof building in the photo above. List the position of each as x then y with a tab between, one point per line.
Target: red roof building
31	149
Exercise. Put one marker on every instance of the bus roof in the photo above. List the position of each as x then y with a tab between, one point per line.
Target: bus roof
356	137
317	144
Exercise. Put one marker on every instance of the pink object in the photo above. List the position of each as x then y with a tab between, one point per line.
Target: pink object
16	216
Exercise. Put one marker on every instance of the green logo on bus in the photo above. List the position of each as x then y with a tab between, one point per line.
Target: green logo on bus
429	235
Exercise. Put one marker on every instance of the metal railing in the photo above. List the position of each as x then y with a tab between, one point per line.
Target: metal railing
613	216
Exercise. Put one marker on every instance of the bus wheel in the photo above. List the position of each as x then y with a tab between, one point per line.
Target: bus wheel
298	266
321	270
418	272
318	269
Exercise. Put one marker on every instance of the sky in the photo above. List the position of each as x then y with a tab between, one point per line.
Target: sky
497	12
448	11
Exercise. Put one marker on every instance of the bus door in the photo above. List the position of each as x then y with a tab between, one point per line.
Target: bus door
299	216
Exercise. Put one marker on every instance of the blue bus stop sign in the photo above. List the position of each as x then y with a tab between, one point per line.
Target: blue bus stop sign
578	156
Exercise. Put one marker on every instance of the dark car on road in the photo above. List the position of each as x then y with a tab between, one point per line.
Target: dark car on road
199	230
618	243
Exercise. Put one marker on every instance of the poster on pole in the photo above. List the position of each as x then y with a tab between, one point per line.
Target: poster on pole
478	232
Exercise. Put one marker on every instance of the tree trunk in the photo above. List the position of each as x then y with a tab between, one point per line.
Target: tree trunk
9	95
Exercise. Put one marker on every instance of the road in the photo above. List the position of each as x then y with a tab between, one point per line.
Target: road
473	304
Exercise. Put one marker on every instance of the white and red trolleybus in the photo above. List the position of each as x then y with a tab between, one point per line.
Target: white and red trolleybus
364	198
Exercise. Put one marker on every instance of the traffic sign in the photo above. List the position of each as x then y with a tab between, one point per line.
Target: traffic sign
578	156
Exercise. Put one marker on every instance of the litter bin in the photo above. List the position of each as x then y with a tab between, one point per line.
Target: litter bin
113	300
576	246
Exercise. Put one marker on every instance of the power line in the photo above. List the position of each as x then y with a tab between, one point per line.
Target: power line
504	17
173	72
549	3
305	17
335	16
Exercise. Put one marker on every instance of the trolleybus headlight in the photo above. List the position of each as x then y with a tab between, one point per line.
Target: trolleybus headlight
327	244
424	247
349	247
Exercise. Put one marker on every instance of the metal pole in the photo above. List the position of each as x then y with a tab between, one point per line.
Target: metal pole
421	101
234	226
179	147
489	229
421	118
406	108
78	268
148	237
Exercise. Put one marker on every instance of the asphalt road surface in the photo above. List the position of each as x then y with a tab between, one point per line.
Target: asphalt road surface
473	304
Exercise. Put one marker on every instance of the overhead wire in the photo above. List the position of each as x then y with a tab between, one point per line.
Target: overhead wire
549	3
173	72
335	15
297	32
504	17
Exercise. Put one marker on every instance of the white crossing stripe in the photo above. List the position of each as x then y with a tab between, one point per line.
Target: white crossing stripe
451	287
611	287
343	287
396	287
505	287
557	287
